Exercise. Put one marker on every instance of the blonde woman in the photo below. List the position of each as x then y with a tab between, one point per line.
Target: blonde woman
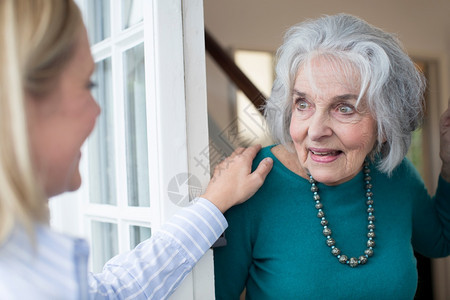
46	113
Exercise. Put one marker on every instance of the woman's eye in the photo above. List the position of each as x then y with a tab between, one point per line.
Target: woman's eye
91	85
345	109
301	104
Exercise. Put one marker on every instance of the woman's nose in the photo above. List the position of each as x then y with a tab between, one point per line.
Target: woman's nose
319	126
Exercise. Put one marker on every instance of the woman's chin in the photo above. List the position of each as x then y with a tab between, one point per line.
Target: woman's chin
75	183
325	177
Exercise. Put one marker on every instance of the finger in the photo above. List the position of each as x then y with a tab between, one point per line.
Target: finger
262	170
237	151
445	117
445	121
251	152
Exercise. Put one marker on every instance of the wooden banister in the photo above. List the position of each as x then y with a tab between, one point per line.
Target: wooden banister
227	64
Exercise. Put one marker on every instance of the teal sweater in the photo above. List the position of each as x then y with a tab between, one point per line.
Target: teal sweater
276	248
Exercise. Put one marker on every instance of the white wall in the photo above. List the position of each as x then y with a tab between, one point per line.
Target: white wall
422	26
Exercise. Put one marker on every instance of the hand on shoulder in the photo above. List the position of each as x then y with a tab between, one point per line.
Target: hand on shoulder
233	181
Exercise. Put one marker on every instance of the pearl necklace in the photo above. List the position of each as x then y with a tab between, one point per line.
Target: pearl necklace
353	261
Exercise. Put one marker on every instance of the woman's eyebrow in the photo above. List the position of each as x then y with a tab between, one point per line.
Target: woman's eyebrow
299	94
345	97
336	98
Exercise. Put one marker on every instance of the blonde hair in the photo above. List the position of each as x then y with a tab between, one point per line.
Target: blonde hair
37	38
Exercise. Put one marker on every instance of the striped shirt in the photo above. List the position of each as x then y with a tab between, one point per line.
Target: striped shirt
56	266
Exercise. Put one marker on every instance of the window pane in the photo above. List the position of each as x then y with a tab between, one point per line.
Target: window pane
131	12
139	234
105	243
415	150
98	20
250	127
136	127
101	143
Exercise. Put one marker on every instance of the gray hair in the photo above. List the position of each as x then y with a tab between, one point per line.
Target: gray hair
390	83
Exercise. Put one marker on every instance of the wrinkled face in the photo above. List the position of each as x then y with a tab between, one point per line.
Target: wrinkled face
331	137
60	122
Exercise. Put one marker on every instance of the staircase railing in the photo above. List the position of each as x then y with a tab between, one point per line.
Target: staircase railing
234	73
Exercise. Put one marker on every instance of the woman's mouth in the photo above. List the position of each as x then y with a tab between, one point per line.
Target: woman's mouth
324	155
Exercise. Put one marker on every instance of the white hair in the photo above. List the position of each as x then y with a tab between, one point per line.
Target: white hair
390	83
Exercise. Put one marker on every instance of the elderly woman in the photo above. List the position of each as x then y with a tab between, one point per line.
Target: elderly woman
342	210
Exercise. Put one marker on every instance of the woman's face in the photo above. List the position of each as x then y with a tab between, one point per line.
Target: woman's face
60	122
331	137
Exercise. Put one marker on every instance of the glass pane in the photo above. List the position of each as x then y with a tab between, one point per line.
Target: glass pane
105	243
101	142
415	151
131	12
250	127
98	20
139	234
136	127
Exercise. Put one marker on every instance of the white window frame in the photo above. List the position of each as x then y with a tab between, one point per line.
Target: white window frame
177	127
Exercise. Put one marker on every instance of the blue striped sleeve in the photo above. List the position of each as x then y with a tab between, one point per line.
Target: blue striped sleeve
157	266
